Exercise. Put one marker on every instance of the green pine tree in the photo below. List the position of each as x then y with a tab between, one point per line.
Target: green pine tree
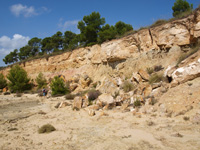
19	80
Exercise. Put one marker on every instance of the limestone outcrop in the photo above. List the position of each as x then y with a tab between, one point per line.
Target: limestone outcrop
91	60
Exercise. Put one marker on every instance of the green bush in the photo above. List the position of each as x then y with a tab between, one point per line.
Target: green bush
180	7
58	86
19	80
128	86
41	81
46	129
3	82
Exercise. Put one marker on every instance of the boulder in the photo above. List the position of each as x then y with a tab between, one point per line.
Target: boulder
77	103
186	73
85	82
108	85
144	75
106	98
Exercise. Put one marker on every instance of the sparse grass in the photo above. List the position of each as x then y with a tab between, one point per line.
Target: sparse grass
149	70
158	68
186	55
155	78
128	86
70	96
137	103
46	129
116	94
159	22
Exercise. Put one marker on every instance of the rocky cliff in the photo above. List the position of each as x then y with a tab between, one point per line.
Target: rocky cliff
145	48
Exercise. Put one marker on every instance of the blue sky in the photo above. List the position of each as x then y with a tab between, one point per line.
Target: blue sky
22	20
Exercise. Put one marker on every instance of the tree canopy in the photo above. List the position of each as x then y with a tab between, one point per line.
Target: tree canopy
89	27
18	79
181	6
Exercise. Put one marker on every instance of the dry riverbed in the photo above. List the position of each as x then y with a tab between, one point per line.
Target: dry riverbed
21	117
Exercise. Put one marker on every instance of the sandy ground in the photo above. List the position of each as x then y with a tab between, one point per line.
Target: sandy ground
21	117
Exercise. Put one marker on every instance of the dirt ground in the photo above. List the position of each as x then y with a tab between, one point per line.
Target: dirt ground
21	117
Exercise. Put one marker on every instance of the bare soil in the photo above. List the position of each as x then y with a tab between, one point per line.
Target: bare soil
21	117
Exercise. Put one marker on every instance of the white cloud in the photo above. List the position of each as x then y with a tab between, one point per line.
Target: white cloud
9	44
19	9
68	25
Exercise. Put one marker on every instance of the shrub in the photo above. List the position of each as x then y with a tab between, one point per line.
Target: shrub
93	94
58	87
41	81
128	86
150	70
46	129
3	82
137	103
19	80
158	68
159	22
180	7
155	78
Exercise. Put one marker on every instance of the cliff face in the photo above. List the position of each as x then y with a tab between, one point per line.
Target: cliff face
121	55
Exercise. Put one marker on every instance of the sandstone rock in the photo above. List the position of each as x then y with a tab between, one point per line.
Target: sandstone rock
85	102
147	91
63	104
73	86
77	103
91	112
144	75
188	72
106	98
108	85
124	106
85	82
103	114
94	107
136	77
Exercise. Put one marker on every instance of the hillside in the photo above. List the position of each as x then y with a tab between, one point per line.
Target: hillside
149	95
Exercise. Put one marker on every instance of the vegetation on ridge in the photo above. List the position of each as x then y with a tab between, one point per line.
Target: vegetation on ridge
92	31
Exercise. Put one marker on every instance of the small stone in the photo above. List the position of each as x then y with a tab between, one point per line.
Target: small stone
91	112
